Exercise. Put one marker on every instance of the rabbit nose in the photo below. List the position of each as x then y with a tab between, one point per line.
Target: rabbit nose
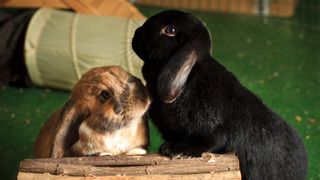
140	91
138	30
137	33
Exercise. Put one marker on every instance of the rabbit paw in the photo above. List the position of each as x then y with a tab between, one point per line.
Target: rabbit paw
165	149
103	154
181	156
168	149
137	151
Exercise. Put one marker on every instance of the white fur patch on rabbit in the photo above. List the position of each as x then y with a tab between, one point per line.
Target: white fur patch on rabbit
122	141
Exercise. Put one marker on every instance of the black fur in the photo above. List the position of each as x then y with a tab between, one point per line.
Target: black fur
211	110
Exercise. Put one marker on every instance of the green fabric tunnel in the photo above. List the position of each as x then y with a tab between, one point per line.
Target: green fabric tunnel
60	46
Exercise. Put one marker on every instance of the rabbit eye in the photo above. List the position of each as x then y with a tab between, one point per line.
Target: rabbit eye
104	95
169	30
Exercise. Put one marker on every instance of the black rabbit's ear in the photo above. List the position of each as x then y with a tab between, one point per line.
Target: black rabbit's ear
71	116
175	73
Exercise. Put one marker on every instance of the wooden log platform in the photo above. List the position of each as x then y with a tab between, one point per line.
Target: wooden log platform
150	166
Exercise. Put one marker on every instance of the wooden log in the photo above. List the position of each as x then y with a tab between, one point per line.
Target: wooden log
119	8
123	160
33	3
153	165
82	6
87	170
230	175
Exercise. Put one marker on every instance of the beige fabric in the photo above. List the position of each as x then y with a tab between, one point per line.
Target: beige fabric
61	45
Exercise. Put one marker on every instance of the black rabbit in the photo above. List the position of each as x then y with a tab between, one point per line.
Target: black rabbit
199	106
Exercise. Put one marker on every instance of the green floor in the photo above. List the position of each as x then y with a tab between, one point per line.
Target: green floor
275	58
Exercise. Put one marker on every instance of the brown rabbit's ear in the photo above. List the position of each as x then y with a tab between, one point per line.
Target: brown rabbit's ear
71	116
175	74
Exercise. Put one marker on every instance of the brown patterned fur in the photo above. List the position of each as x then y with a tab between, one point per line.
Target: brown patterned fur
104	116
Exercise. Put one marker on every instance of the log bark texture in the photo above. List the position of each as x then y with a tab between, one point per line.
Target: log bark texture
151	166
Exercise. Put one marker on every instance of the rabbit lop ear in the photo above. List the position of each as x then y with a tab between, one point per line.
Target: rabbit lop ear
71	116
175	74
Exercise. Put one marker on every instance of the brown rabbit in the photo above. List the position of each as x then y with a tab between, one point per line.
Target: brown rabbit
104	116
